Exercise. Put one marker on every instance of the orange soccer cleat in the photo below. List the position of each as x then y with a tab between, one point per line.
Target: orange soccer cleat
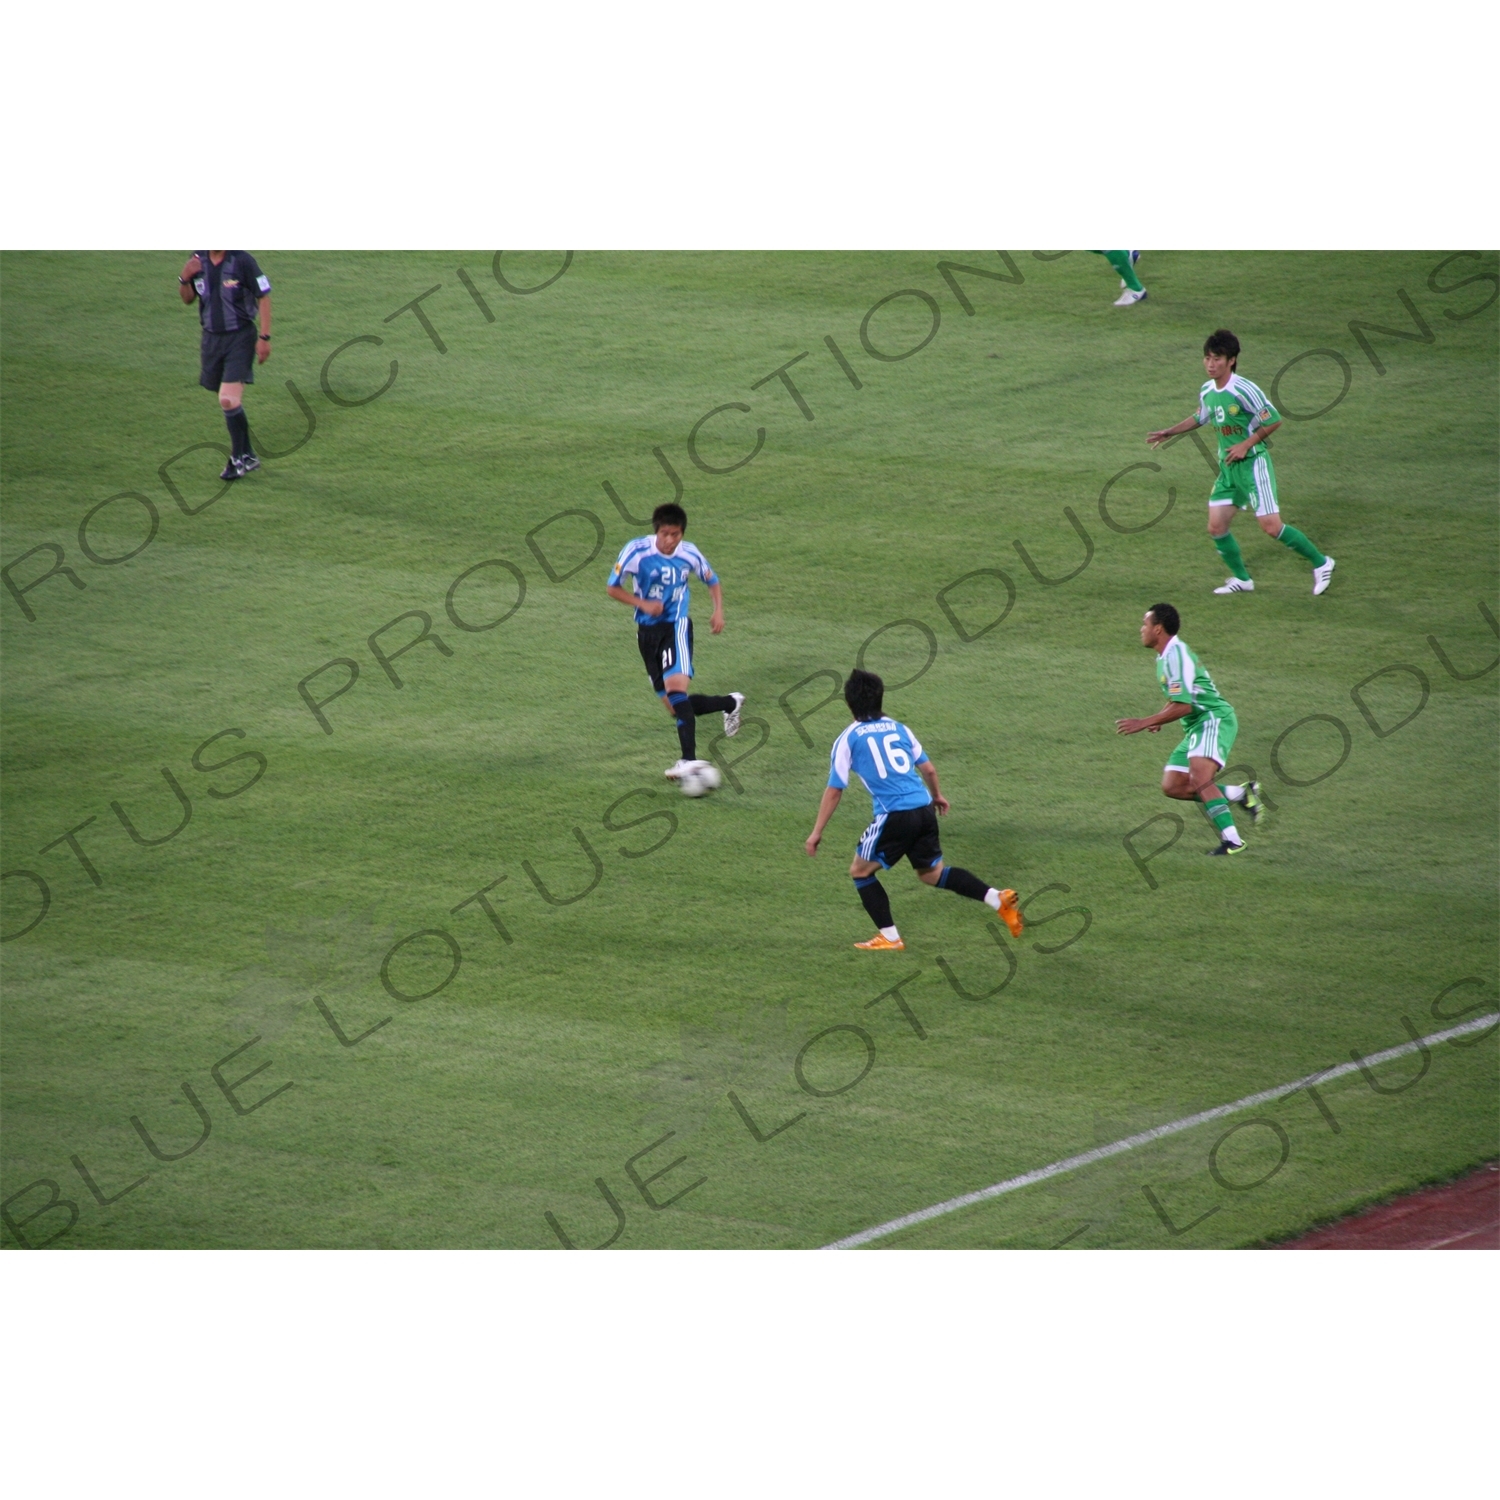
881	943
1010	913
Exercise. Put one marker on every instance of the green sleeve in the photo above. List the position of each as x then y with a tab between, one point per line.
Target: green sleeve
1173	683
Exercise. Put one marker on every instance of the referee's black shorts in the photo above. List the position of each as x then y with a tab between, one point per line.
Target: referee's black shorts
228	358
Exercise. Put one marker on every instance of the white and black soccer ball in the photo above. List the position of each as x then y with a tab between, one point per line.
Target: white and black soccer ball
700	779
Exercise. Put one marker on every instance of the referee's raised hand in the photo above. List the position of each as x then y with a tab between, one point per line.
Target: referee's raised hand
185	287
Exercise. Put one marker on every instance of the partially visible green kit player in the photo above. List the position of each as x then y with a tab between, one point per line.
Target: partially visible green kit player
1124	261
1243	417
1209	727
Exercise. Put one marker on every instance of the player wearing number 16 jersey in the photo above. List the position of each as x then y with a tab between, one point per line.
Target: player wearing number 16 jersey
903	786
659	567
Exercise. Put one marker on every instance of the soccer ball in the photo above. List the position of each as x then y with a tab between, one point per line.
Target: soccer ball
703	778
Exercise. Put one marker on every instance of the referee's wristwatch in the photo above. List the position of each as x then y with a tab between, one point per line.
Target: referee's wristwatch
265	336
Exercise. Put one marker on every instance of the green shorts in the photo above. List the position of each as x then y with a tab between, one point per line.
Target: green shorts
1250	485
1211	737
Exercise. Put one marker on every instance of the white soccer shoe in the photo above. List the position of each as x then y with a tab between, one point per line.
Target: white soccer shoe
732	718
1323	576
1127	298
1237	586
679	768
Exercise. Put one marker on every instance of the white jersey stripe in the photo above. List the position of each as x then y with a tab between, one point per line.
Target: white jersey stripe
1265	494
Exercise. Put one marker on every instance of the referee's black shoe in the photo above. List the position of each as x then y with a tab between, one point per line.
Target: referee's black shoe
248	463
231	470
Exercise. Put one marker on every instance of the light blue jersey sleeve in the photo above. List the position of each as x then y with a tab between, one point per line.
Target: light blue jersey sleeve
629	559
697	562
840	761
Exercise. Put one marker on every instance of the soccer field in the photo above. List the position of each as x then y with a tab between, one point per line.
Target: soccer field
499	986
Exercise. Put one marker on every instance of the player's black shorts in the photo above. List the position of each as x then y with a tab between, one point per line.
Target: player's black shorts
227	358
910	834
666	649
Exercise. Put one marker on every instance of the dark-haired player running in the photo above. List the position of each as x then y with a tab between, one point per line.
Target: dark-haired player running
1243	417
903	787
1209	727
659	566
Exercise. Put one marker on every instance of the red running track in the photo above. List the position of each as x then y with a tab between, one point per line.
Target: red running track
1462	1215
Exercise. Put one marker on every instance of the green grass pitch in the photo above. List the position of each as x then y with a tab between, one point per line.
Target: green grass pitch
658	1034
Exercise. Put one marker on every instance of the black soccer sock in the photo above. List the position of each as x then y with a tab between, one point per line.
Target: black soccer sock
961	883
239	431
703	703
687	725
876	901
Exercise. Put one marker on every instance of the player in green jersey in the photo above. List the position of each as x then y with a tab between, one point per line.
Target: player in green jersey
1243	417
1209	727
1131	290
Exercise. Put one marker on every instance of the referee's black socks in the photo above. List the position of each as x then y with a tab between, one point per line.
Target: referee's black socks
687	725
239	431
876	901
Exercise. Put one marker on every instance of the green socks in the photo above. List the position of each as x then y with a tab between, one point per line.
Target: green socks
1220	816
1289	536
1120	260
1229	550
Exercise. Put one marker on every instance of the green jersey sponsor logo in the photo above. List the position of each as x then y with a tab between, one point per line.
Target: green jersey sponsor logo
1231	411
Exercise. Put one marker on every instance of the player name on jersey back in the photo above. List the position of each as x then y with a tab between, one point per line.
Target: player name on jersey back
884	754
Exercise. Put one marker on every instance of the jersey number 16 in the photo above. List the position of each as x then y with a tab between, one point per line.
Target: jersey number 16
899	759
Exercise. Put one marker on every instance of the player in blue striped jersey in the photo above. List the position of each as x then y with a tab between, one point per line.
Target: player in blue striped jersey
903	786
657	569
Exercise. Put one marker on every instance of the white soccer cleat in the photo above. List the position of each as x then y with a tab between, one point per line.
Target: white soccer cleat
1237	586
732	718
1323	576
1127	298
679	768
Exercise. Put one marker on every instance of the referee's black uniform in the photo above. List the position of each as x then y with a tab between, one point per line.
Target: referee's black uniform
228	296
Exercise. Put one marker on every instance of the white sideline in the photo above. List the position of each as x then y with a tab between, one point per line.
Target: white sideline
1154	1134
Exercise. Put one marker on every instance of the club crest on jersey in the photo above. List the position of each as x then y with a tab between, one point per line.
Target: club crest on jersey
1234	411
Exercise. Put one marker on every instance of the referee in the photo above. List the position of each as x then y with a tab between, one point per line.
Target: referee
234	306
